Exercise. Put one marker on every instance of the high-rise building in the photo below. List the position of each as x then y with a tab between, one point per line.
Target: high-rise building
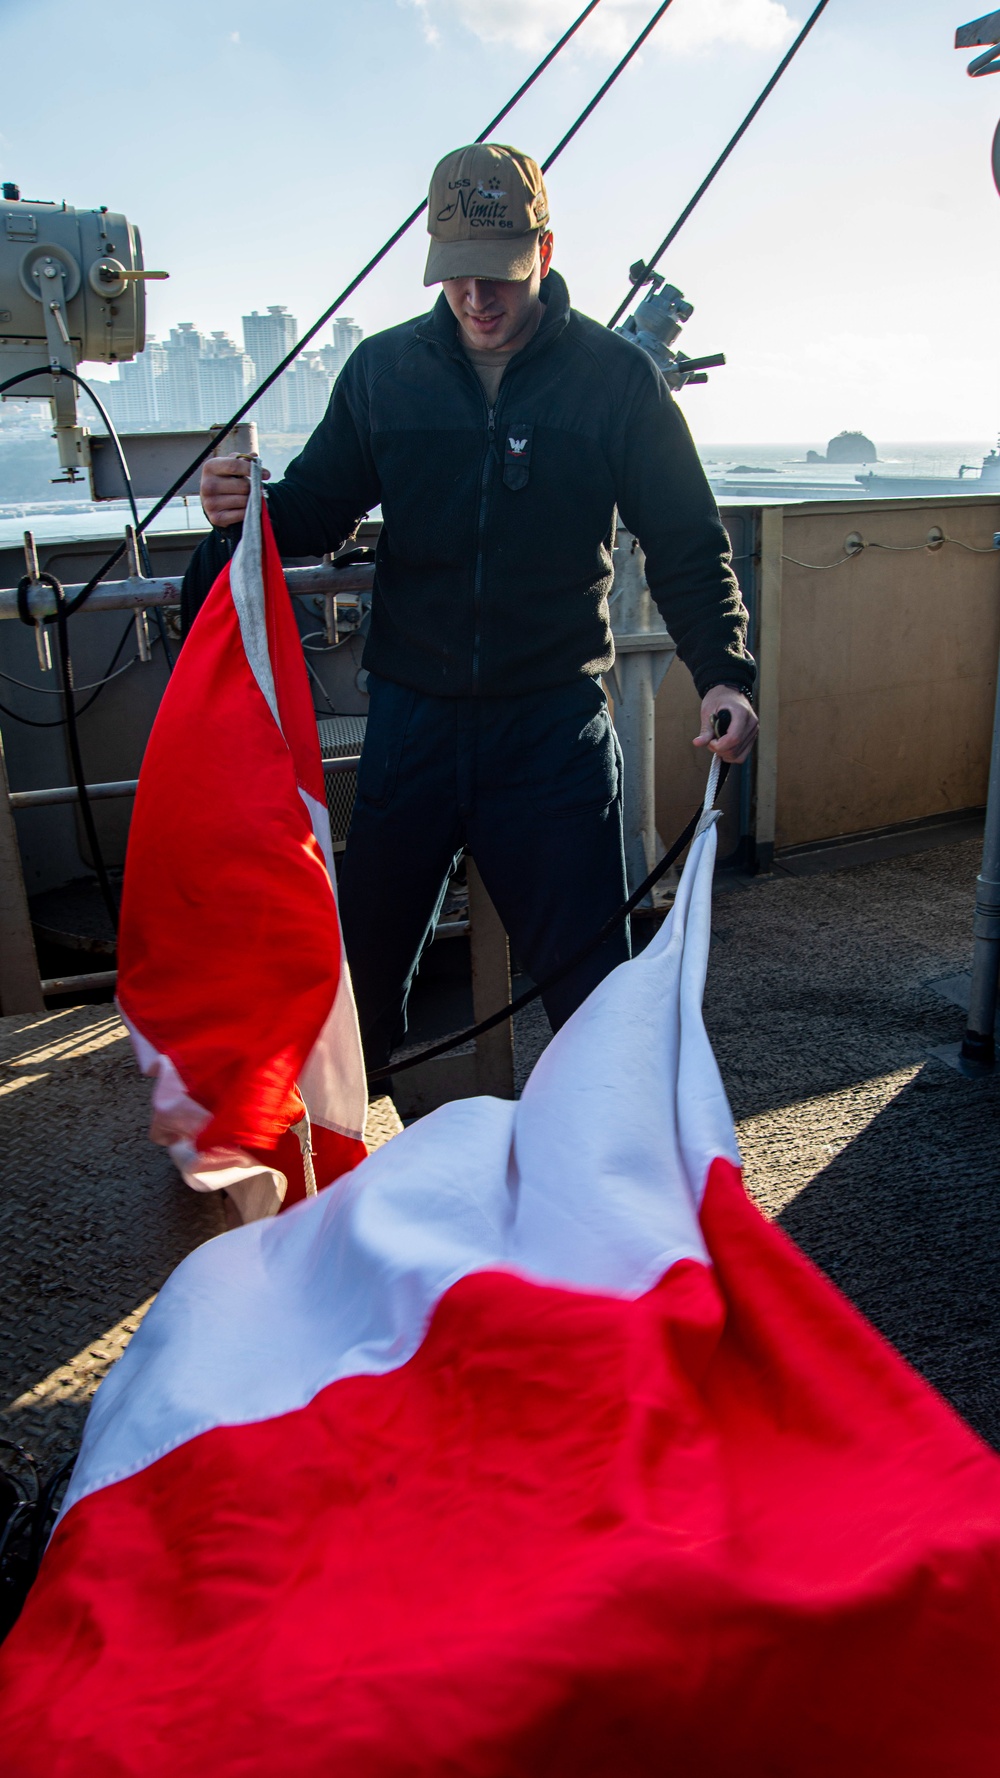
308	391
134	400
267	338
179	387
189	381
346	335
224	376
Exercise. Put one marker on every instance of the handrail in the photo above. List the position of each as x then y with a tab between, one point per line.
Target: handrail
68	793
137	593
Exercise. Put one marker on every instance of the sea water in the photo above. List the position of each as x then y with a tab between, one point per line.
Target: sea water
60	520
943	458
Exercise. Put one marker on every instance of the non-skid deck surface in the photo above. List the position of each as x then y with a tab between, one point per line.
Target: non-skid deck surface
93	1218
881	1162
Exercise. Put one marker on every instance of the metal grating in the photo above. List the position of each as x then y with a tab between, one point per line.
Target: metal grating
340	735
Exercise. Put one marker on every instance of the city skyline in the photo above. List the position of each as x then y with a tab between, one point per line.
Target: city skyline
846	259
193	380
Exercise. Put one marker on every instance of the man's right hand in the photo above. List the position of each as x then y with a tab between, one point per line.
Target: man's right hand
225	489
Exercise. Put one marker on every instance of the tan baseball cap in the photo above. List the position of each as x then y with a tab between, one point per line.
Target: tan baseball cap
485	209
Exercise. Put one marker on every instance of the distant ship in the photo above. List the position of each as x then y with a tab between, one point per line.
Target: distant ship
969	480
829	477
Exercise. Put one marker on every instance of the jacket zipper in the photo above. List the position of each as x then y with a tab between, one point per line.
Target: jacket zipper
477	585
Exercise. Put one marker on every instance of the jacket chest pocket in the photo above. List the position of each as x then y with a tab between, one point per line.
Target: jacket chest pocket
517	455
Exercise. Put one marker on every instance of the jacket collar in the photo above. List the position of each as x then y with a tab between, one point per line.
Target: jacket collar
441	329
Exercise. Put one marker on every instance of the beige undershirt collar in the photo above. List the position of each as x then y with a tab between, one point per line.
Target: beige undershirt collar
490	366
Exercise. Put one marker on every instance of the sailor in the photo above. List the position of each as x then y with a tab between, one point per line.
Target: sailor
502	434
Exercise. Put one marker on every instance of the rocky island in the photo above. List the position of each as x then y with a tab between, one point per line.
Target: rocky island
847	447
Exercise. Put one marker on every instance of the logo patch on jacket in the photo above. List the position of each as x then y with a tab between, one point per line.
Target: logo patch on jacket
517	456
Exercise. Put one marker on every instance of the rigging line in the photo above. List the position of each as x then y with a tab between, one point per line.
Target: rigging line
608	84
428	1053
327	314
651	264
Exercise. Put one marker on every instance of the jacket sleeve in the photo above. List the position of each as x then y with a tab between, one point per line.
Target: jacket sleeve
665	500
329	487
203	570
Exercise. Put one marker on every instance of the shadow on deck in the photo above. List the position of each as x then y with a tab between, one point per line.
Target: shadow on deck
873	1155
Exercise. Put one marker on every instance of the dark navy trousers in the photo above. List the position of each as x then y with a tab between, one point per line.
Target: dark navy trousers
531	787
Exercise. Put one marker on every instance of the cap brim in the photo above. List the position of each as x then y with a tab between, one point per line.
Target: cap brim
512	260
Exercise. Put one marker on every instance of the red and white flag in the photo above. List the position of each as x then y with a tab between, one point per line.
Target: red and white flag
232	976
528	1450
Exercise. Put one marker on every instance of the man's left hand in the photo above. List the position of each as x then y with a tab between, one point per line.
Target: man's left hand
736	744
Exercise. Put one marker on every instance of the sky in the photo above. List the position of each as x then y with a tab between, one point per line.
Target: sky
846	260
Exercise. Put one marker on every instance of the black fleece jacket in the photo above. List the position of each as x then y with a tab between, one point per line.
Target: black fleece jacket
494	564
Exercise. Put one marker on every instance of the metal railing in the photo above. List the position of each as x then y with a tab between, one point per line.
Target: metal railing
21	988
68	793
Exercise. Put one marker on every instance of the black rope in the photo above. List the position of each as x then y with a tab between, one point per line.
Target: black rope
649	265
328	313
608	84
557	975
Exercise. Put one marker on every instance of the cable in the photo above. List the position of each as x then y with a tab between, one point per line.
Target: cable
931	545
84	594
76	757
976	549
289	358
48	691
24	587
46	370
608	84
650	264
112	432
818	565
428	1053
327	648
328	701
158	617
63	611
29	722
